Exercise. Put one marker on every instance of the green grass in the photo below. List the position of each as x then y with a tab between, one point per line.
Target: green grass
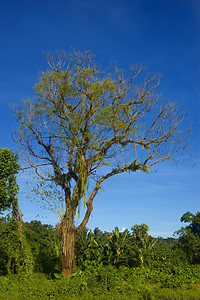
146	294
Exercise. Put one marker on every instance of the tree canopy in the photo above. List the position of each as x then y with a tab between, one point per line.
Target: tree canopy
189	236
9	168
84	126
194	221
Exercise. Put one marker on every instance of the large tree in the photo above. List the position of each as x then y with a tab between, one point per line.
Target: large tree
84	126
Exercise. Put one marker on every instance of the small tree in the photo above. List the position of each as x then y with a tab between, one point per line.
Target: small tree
84	126
119	243
9	188
189	236
14	250
142	242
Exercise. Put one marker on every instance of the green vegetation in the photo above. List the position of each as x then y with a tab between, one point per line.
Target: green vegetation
9	168
110	265
189	236
103	283
74	131
15	257
73	135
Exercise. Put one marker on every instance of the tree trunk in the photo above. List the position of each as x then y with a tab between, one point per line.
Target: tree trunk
18	216
67	231
70	233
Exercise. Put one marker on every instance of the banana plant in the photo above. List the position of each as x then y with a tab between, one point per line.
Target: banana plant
119	243
142	243
88	250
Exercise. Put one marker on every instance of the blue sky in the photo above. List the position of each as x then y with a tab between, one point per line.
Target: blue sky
164	35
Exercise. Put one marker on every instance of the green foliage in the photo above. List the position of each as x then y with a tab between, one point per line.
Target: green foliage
164	256
89	250
142	243
193	227
130	250
189	237
137	166
116	248
9	168
140	231
109	265
45	246
82	180
42	250
14	258
105	283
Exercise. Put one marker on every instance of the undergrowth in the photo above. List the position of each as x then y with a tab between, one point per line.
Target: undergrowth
105	283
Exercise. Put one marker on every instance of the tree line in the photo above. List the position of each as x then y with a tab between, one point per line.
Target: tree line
42	248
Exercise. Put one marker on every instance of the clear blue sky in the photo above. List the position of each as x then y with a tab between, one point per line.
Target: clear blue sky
164	35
